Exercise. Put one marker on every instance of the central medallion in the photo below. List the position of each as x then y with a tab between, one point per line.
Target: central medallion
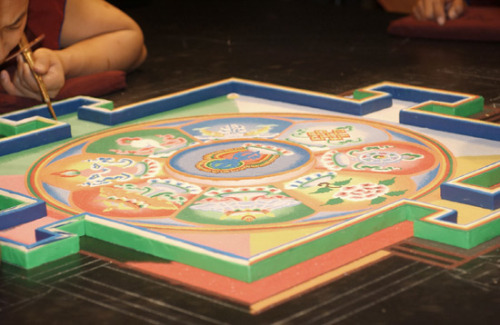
240	162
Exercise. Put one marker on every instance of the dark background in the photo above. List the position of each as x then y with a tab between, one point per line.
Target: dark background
327	46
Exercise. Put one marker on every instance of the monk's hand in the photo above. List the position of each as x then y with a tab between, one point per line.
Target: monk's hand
47	65
438	10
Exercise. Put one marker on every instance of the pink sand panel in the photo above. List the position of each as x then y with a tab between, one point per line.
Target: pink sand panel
25	233
251	293
232	242
16	183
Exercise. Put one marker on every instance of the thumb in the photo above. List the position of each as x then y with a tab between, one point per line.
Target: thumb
41	61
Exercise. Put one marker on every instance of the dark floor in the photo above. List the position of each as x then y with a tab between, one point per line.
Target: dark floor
327	46
316	45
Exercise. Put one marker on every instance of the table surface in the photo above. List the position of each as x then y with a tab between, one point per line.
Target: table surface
326	46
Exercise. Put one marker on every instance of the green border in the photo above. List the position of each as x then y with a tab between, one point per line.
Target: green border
74	228
8	130
7	202
466	239
463	110
488	179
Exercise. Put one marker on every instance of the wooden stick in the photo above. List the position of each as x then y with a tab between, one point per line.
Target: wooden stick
28	57
21	49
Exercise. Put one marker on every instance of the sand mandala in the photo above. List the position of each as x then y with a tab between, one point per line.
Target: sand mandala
240	171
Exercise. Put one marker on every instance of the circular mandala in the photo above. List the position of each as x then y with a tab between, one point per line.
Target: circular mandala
240	171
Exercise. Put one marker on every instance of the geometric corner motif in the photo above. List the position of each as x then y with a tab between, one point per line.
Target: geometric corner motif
479	188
